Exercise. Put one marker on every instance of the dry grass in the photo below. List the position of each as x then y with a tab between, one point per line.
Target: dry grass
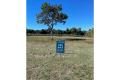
75	64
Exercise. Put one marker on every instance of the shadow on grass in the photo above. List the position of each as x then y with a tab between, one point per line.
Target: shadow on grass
75	39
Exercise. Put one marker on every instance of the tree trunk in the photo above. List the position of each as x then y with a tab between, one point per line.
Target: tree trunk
52	31
51	34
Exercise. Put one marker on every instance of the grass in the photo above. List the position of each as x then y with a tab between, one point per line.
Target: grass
75	64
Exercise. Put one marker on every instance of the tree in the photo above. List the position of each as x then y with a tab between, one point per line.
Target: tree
73	30
68	31
90	33
78	31
50	16
43	31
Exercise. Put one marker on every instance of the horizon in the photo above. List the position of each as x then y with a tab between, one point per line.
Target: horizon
64	29
80	14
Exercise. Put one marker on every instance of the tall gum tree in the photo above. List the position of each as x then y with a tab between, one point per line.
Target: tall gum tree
50	16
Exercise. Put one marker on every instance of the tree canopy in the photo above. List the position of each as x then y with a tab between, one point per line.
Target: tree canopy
51	15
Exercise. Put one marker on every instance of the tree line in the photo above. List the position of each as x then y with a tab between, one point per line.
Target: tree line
68	31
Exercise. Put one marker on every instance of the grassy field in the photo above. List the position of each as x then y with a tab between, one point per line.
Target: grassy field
75	64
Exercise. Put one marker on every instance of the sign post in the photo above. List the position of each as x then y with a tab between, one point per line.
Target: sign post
60	46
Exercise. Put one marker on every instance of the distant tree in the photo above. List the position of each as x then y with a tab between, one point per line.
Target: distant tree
38	32
30	31
43	31
50	16
78	31
83	33
90	33
68	31
60	31
73	30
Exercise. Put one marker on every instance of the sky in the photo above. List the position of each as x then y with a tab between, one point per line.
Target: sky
80	14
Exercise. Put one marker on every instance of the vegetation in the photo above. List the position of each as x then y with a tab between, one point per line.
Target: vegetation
51	15
69	31
75	64
90	32
43	63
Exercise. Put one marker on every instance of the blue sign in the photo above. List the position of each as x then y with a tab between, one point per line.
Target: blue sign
60	44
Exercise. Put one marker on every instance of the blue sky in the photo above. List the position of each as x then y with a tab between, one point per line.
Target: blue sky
80	13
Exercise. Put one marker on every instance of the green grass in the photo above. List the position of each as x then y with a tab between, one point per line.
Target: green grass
75	64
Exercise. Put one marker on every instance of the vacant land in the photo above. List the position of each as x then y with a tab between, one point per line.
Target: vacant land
75	64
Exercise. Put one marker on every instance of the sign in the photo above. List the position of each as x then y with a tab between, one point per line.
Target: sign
60	44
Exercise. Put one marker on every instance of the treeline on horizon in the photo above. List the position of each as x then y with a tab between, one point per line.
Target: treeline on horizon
69	31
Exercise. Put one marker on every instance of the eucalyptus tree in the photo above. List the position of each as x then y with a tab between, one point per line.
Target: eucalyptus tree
50	15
